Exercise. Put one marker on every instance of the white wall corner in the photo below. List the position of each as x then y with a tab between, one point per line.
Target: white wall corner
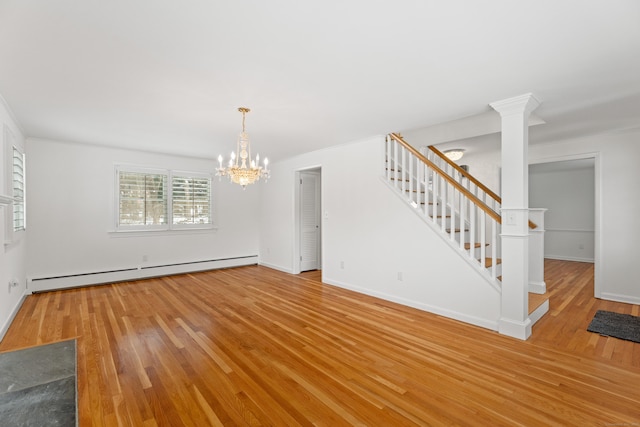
276	267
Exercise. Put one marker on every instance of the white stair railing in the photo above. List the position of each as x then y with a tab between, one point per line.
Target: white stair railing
447	203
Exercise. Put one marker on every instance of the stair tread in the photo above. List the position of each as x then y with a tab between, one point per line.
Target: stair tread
488	262
476	245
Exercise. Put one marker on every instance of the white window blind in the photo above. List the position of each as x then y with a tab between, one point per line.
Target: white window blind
142	199
160	199
191	200
18	191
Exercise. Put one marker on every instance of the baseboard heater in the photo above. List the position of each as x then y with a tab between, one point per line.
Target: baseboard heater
41	284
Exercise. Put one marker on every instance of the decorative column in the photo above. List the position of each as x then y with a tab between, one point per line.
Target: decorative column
537	284
514	319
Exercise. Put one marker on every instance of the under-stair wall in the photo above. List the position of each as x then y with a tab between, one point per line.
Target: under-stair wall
460	209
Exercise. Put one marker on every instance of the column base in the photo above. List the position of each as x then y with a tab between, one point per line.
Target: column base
515	329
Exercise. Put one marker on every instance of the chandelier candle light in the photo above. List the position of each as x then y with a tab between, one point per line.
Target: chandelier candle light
237	169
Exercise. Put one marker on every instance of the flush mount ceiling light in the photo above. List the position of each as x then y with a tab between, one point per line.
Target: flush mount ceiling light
454	154
241	169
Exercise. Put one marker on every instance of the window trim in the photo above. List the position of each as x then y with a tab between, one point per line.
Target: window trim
19	201
168	226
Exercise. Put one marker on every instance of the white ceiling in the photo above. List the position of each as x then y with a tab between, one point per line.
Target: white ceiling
168	76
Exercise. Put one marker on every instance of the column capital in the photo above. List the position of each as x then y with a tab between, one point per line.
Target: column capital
523	104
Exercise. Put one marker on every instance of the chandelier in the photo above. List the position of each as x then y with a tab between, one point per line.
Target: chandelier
241	169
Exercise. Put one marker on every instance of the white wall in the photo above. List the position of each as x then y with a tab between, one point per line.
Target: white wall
617	208
374	234
568	192
71	213
12	256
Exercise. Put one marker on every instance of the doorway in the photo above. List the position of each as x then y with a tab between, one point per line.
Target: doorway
569	188
308	220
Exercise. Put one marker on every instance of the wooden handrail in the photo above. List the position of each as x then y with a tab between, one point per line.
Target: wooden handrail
471	178
447	178
464	173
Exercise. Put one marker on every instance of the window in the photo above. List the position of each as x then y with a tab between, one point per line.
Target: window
162	200
191	200
143	199
14	187
19	219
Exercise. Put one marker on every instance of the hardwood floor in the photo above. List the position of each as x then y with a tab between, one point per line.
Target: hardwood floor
253	346
571	309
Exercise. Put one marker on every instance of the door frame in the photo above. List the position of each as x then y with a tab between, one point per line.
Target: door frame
296	215
597	258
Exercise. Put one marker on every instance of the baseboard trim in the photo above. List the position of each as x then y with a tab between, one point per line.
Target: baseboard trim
538	287
620	298
276	267
539	312
451	314
568	258
12	316
43	284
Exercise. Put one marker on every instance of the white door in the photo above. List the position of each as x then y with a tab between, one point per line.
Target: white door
309	221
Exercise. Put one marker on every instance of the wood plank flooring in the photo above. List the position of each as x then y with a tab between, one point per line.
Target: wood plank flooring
253	346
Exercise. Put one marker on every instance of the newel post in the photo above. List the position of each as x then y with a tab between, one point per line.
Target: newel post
514	319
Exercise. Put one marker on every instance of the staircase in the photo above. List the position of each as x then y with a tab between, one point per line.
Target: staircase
462	211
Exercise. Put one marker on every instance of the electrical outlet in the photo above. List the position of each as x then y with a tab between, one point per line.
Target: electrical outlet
342	265
400	276
13	284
